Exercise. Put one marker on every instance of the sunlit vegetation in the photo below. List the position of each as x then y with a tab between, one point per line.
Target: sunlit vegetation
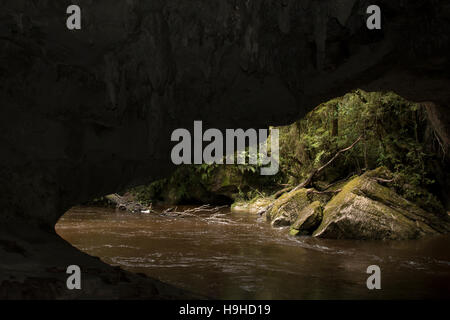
386	130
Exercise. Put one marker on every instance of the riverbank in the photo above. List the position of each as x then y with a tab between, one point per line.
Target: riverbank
361	208
368	165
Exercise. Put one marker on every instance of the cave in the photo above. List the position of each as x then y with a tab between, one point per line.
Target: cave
87	112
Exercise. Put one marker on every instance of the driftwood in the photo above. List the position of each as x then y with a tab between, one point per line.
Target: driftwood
127	204
192	211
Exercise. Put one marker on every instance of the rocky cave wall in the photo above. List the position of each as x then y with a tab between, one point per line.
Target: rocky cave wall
88	112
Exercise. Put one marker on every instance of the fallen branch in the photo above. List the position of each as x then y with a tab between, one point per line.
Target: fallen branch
191	212
308	181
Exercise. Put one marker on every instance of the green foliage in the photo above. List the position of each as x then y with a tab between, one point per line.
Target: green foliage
146	194
393	135
206	171
393	132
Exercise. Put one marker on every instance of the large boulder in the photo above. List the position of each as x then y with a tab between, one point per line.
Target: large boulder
365	209
308	219
287	208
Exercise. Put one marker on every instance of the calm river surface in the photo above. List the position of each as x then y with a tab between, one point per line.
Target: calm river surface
235	256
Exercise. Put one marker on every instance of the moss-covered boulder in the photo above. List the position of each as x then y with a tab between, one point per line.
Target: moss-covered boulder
308	219
365	209
394	132
286	209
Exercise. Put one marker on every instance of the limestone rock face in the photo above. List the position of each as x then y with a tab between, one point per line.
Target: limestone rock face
90	112
365	209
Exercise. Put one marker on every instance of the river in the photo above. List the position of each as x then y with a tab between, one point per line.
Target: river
229	255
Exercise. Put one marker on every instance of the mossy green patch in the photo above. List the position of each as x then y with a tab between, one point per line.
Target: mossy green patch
285	209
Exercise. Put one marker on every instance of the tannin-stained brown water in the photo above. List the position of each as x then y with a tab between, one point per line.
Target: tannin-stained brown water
239	256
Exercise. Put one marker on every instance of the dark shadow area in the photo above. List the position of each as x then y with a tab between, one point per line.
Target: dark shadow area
84	113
